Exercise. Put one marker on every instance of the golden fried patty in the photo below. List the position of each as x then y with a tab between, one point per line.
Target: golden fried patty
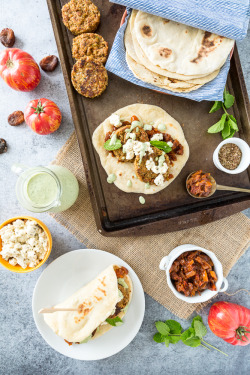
80	16
89	78
140	135
146	175
91	45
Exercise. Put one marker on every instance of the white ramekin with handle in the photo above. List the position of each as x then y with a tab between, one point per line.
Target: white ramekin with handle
168	260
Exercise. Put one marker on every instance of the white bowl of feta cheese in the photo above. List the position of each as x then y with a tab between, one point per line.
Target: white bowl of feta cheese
25	244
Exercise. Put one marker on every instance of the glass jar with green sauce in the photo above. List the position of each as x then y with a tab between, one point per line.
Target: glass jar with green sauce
45	189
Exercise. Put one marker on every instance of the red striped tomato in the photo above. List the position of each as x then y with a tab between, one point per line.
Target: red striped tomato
231	322
43	116
19	70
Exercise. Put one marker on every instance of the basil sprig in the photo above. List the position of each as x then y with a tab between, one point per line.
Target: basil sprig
115	146
227	125
115	322
161	145
170	332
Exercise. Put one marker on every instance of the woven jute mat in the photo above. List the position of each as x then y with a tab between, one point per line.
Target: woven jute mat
227	238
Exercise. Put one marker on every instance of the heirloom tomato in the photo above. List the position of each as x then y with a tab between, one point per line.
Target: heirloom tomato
231	322
43	116
19	70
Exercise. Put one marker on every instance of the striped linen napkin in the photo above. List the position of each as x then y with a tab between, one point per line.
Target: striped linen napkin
228	18
116	64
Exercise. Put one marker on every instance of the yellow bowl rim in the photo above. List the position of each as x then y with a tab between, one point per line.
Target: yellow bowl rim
19	269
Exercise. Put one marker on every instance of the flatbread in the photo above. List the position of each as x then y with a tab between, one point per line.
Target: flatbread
99	298
180	48
146	75
125	171
134	50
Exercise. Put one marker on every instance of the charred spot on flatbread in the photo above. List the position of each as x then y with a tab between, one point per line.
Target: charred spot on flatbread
165	52
147	31
207	46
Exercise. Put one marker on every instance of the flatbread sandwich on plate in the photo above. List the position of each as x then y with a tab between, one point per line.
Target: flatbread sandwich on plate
142	148
96	307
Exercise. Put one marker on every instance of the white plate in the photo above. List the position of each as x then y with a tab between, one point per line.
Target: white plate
67	274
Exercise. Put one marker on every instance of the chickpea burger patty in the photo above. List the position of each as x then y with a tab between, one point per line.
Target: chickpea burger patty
80	16
91	45
147	175
140	135
89	78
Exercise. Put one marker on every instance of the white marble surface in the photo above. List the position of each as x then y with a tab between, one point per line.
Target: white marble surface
22	349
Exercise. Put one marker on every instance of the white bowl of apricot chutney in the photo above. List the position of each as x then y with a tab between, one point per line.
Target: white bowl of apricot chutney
194	274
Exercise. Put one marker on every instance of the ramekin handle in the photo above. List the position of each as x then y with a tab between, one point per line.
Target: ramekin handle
225	285
164	263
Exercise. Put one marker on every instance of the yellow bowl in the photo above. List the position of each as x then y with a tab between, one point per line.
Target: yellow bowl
18	268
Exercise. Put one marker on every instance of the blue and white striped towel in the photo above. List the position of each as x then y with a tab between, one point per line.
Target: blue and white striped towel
224	17
117	64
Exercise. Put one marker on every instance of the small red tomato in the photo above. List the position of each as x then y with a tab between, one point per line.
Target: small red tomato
43	116
231	322
19	70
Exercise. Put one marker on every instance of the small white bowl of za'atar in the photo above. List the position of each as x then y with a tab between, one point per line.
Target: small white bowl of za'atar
232	156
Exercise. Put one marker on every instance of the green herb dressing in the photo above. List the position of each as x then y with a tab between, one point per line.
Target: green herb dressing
147	127
113	140
141	200
132	127
129	183
111	178
42	189
122	282
142	151
161	159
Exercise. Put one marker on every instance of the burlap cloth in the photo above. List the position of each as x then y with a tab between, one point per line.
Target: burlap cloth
227	238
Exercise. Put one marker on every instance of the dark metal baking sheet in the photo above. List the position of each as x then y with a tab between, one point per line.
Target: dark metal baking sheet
119	213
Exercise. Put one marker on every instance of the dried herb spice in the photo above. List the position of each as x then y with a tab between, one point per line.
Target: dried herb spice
230	156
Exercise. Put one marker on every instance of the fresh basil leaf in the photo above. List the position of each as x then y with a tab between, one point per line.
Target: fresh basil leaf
167	342
115	146
175	327
158	337
200	329
174	339
226	131
217	105
113	321
193	341
233	124
219	126
162	328
195	319
228	99
161	145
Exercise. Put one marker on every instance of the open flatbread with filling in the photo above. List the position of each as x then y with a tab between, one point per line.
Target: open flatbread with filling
142	148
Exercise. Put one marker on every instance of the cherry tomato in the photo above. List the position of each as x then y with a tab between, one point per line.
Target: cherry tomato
231	322
19	70
43	116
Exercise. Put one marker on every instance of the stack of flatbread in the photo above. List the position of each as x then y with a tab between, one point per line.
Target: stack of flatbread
171	55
